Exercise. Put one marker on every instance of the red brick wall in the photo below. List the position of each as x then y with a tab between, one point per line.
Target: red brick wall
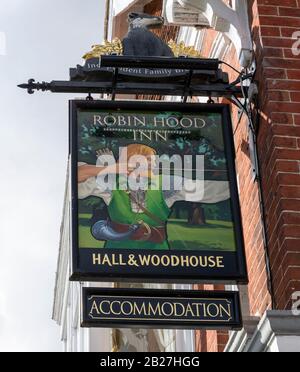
259	297
273	24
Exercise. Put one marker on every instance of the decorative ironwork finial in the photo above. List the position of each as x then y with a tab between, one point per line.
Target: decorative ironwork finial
31	86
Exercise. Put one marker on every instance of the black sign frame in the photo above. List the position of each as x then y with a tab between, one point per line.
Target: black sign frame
82	268
168	297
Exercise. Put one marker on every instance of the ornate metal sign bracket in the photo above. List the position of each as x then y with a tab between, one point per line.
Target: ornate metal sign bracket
164	76
143	64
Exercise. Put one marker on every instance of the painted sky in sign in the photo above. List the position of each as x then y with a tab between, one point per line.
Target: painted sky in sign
43	39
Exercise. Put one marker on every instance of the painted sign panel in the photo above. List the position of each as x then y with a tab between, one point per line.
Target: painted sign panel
154	194
160	309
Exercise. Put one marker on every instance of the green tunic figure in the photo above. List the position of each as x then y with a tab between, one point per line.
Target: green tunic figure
138	216
120	212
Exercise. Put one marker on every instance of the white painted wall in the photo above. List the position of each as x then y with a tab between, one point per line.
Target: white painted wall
119	5
285	344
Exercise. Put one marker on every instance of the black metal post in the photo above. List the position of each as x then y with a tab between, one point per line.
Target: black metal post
165	89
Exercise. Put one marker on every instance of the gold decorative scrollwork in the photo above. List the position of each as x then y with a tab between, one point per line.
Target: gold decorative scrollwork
108	48
181	50
115	47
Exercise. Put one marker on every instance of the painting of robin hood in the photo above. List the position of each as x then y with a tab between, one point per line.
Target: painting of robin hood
155	181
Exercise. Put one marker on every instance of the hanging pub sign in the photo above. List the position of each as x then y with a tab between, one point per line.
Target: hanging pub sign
160	309
154	193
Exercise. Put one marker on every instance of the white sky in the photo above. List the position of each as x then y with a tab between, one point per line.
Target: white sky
2	44
43	39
